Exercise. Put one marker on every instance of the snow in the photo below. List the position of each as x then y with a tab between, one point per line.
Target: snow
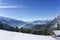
7	35
57	32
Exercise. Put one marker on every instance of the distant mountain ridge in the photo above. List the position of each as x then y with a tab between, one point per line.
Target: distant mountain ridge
41	21
20	23
38	22
12	22
53	23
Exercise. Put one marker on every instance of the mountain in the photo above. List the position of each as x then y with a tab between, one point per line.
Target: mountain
54	22
12	22
19	23
34	23
41	22
49	23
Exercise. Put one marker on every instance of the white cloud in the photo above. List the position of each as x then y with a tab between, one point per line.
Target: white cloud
4	5
11	6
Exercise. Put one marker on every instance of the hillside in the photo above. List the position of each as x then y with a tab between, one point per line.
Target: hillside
54	22
7	35
12	22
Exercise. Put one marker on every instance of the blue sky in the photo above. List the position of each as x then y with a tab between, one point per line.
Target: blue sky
29	10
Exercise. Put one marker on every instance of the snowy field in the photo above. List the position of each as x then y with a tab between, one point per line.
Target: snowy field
6	35
58	38
57	32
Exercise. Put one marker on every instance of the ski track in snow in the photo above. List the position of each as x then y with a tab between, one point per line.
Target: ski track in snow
7	35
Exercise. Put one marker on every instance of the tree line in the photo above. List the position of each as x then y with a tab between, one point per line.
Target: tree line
39	31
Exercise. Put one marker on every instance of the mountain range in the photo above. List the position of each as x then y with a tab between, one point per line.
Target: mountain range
49	23
20	23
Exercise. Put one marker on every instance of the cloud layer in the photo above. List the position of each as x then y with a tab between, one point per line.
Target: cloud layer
6	5
11	6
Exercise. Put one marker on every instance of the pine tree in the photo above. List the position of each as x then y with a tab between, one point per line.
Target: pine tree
58	26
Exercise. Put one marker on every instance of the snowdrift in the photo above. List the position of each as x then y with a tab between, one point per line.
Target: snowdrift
7	35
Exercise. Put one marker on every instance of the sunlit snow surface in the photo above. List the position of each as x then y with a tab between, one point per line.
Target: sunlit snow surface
57	32
6	35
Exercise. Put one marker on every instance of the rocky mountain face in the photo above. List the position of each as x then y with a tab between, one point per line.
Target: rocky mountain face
54	22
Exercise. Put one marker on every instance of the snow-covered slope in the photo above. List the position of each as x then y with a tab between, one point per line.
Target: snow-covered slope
54	22
6	35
